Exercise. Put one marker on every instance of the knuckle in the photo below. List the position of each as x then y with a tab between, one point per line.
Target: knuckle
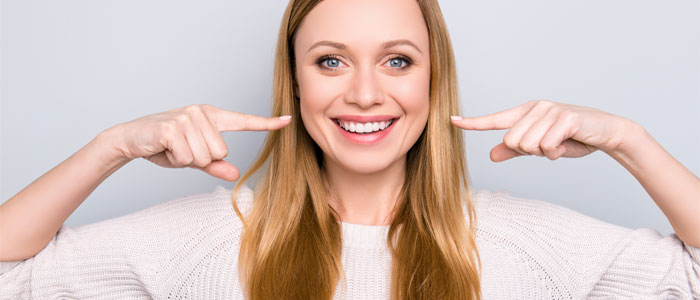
194	108
169	127
546	147
510	143
183	118
551	155
202	162
555	110
220	153
245	119
530	147
178	160
186	160
569	116
545	103
207	109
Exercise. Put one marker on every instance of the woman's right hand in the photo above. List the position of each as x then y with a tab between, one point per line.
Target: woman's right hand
188	137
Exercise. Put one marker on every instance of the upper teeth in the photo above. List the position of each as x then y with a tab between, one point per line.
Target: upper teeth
364	127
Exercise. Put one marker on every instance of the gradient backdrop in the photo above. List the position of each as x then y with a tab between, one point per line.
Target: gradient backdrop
71	69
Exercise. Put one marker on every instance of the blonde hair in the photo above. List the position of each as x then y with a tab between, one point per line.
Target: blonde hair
291	245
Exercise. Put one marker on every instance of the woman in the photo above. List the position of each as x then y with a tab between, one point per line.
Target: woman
363	192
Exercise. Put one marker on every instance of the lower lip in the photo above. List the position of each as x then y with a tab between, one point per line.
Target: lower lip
365	138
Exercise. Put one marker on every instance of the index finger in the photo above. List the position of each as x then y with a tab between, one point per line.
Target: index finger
501	120
224	120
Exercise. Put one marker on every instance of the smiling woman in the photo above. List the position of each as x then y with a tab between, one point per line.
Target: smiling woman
371	86
362	193
368	144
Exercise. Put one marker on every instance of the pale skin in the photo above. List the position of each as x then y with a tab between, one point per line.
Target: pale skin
368	75
362	191
554	130
183	137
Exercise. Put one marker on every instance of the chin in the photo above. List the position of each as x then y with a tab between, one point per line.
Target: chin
364	165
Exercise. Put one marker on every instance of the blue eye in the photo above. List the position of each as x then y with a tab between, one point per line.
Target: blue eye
332	62
396	62
329	62
400	62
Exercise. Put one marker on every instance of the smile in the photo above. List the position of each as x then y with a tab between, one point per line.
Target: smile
365	129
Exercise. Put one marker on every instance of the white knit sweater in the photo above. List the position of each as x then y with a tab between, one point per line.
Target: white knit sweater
187	248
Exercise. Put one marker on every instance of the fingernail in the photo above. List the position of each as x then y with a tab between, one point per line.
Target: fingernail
285	117
456	118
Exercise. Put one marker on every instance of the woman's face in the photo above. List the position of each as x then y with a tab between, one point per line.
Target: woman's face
363	75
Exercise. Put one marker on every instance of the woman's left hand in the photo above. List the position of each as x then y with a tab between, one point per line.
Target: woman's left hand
551	129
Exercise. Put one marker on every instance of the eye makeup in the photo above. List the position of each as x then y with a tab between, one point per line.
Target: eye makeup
320	62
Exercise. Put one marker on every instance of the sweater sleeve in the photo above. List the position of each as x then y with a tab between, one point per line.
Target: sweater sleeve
119	258
592	259
642	263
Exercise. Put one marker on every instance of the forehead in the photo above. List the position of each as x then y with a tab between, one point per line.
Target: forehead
362	23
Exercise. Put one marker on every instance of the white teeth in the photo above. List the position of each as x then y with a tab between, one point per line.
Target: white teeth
366	127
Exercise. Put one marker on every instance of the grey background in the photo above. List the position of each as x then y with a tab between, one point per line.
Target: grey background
71	69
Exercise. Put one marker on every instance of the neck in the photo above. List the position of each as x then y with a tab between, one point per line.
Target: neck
365	198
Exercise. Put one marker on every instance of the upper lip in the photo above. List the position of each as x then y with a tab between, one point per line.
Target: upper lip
359	118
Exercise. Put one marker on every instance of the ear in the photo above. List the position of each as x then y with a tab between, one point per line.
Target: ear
296	88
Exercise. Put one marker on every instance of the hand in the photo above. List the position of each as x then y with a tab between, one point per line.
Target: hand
547	128
188	137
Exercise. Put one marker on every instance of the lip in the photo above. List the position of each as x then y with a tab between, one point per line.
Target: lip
358	118
365	138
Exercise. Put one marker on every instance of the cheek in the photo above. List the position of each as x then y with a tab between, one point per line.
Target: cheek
413	94
318	90
316	94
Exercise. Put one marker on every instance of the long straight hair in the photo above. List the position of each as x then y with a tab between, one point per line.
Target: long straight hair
291	245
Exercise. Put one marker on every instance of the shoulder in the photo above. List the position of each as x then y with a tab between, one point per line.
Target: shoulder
497	207
179	218
205	208
535	227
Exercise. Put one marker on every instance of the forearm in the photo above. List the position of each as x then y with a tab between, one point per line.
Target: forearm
672	186
30	219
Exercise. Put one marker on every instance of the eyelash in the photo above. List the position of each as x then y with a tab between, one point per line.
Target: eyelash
319	62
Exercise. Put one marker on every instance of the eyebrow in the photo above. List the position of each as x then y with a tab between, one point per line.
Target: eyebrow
385	45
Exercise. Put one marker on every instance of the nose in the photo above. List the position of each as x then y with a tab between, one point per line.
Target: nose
365	90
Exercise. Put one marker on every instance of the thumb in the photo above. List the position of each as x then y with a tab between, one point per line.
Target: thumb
221	169
501	152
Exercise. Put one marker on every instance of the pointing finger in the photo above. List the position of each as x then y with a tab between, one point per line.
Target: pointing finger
224	120
258	123
500	120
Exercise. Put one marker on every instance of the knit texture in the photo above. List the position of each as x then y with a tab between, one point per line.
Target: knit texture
187	248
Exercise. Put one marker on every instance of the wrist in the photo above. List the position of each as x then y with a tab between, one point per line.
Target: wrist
632	137
635	144
107	150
